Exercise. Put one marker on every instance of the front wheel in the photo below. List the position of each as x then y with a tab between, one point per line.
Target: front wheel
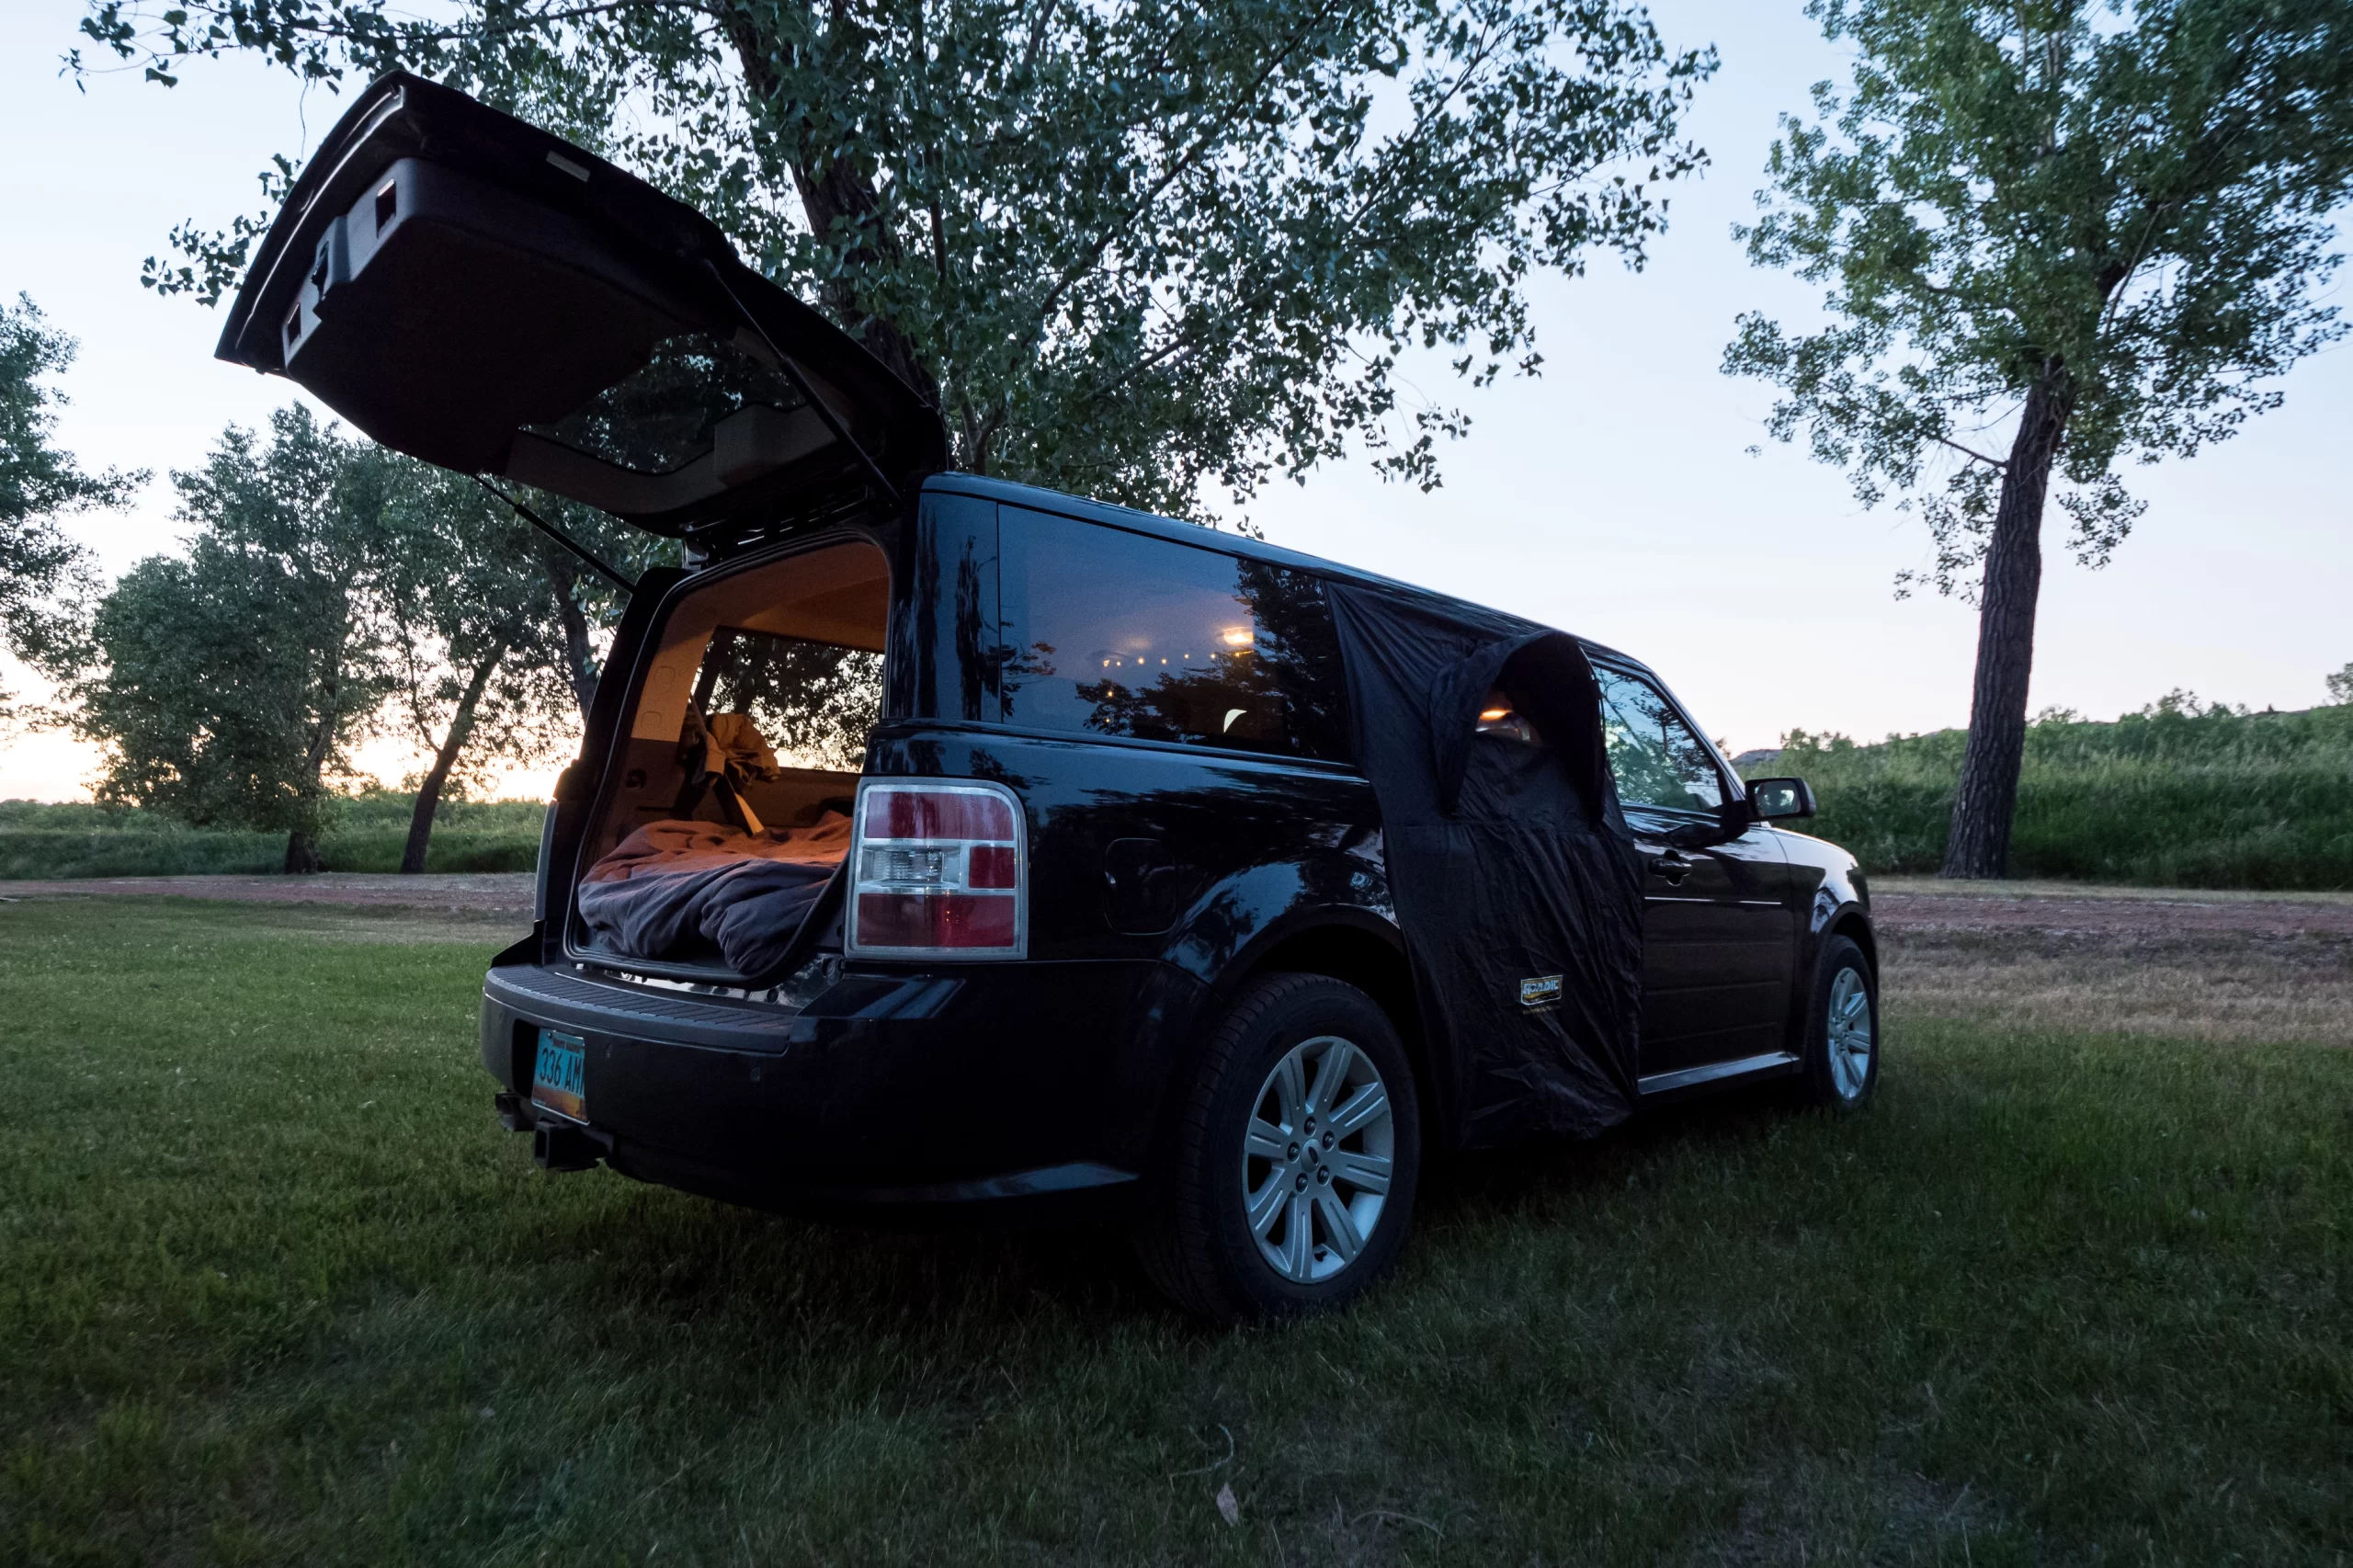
1287	1180
1840	1060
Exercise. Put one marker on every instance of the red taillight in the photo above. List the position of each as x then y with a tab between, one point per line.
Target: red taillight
936	873
994	866
933	920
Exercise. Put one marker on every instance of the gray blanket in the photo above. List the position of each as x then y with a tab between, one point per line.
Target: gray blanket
699	892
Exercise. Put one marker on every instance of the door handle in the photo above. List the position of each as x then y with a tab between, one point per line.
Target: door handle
1672	866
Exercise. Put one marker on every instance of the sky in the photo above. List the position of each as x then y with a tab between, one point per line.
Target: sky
1615	494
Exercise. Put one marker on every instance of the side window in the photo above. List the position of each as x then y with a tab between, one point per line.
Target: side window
1655	757
1123	634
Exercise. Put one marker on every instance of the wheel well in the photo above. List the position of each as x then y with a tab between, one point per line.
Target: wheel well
1362	959
1853	926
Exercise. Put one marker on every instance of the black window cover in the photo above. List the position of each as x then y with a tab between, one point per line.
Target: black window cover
1515	880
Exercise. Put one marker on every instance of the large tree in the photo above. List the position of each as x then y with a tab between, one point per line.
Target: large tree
482	624
45	573
330	589
2057	234
1136	249
229	682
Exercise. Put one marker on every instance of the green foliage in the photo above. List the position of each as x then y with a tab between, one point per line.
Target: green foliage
463	589
480	667
323	580
2117	214
233	680
43	841
281	1291
45	575
1130	249
2178	795
585	605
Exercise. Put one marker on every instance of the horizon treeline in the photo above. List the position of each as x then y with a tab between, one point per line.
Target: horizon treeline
2182	794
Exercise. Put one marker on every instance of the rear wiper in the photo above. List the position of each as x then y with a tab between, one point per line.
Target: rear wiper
595	564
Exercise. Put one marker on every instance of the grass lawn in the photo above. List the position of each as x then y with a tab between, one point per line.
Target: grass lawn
275	1288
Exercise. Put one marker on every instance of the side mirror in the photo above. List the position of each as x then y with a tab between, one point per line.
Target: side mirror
1772	799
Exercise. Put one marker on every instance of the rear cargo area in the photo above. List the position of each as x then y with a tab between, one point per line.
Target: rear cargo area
728	802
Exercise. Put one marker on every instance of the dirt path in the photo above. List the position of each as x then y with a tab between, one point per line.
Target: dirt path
2055	909
2218	966
2173	962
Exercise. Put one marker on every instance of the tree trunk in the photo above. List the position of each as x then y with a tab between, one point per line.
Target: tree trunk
579	653
837	190
429	793
1987	797
579	657
302	849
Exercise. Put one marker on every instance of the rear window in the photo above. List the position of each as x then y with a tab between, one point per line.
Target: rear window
693	395
1116	633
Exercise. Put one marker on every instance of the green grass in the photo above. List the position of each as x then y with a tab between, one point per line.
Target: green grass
276	1289
367	834
2166	798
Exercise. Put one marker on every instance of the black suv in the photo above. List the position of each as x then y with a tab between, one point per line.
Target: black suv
941	841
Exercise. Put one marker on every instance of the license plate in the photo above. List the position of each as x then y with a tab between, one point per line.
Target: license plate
558	1078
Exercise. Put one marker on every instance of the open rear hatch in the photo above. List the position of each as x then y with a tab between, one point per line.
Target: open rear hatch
471	291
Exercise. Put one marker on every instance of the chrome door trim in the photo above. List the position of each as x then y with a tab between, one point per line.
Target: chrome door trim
1707	1072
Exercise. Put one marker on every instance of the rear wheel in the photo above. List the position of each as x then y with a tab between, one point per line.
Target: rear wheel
1289	1178
1842	1045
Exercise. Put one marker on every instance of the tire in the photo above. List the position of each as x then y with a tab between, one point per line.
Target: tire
1839	1060
1220	1228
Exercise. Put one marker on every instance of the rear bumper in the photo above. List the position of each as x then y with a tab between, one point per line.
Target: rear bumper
1016	1085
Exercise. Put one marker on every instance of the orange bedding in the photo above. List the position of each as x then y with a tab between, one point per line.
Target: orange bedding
673	846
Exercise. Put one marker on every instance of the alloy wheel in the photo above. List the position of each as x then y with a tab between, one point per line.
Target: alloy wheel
1317	1159
1848	1022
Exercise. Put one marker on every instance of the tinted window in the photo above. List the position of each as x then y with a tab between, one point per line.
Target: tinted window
944	665
1122	634
1655	757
